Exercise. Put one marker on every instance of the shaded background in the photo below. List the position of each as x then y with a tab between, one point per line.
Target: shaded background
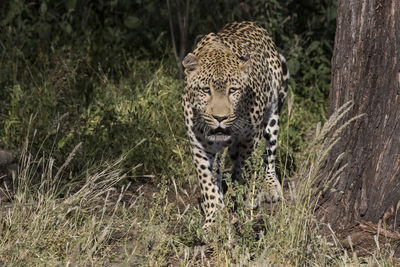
104	73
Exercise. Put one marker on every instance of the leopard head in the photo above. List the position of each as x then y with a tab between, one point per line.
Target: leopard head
216	80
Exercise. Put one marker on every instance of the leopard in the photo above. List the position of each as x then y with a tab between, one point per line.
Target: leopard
234	88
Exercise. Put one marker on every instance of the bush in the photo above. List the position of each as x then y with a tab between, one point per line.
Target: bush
87	72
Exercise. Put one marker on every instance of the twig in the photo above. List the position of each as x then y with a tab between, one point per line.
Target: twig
171	27
372	228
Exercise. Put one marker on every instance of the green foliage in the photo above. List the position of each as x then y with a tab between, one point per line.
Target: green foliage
103	30
109	31
143	109
88	71
97	78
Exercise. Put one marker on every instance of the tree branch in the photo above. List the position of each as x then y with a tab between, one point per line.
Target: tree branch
171	28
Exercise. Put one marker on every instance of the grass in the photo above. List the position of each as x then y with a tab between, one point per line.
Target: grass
104	174
118	114
46	223
105	177
105	220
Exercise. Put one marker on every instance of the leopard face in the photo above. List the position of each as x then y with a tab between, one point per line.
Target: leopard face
218	91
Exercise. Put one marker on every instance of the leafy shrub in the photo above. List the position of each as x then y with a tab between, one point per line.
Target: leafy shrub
143	109
101	73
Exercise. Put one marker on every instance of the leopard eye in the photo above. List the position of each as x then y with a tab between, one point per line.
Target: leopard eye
233	90
206	90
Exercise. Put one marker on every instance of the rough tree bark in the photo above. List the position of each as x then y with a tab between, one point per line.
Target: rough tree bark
366	71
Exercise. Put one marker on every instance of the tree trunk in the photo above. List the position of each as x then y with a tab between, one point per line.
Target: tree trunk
366	71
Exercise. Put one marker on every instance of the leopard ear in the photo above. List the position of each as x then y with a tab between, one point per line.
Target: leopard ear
190	63
246	63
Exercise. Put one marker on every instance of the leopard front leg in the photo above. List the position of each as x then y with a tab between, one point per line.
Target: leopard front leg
274	191
210	185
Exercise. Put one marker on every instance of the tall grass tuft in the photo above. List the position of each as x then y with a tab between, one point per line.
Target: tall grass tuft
48	222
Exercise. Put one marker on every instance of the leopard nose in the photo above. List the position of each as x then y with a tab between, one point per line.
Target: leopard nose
220	118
